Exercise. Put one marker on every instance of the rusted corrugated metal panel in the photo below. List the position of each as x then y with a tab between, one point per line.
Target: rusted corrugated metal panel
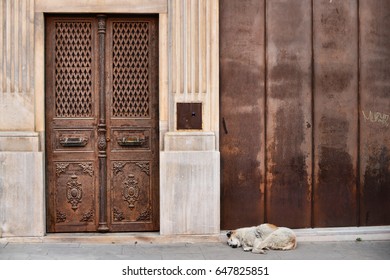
289	91
375	111
242	115
336	107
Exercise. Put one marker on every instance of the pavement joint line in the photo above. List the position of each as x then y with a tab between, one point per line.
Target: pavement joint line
374	233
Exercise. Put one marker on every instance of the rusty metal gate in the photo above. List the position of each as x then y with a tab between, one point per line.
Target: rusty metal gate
102	123
305	105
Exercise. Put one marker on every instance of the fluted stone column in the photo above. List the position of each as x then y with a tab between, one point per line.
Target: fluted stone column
189	165
21	159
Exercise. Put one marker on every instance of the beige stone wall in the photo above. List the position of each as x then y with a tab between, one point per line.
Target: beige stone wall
17	65
21	194
188	72
21	159
194	56
189	163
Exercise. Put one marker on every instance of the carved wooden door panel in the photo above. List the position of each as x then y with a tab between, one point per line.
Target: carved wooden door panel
101	124
71	118
132	88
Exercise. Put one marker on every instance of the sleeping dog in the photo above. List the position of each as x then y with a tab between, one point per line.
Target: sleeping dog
262	237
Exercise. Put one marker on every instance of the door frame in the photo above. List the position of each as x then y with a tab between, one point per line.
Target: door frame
101	151
43	6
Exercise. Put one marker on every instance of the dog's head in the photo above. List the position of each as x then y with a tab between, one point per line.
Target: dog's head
233	240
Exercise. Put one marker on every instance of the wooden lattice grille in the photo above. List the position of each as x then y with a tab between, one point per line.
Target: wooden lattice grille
73	69
130	69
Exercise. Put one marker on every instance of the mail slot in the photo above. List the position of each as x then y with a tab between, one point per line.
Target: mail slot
189	115
74	141
132	140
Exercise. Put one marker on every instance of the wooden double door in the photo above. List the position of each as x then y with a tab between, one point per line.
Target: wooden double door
102	149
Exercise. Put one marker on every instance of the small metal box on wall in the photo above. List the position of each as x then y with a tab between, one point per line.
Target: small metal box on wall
189	116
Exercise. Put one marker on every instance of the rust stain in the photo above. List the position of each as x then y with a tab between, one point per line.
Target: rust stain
242	93
333	20
376	191
375	101
288	169
285	81
335	78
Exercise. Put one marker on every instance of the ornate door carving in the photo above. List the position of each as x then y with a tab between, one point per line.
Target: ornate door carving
132	166
102	124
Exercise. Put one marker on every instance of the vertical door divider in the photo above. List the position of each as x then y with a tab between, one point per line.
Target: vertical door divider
102	128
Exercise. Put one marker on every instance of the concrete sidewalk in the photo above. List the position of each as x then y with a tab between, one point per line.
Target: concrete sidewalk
324	250
371	243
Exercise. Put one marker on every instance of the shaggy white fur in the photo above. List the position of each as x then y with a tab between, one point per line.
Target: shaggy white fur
262	237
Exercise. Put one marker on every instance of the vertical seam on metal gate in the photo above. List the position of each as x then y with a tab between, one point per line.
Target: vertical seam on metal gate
312	221
358	163
265	112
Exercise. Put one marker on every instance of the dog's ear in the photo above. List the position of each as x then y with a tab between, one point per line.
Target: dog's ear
228	234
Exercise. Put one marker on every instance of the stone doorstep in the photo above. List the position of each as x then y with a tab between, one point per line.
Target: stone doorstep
375	233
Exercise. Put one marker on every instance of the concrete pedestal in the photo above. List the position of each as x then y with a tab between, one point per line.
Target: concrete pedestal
21	188
189	186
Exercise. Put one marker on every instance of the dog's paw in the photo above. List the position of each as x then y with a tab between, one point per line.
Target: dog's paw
247	249
257	251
